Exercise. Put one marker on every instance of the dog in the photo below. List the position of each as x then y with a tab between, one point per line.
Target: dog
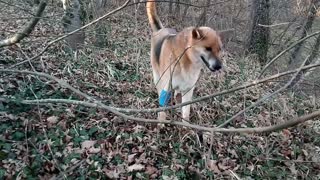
178	57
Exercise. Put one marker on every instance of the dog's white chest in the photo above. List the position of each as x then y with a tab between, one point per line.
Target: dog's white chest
185	81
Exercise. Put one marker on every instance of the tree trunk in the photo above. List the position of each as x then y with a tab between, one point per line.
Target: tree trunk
185	11
177	10
258	40
315	4
101	29
203	17
170	7
72	21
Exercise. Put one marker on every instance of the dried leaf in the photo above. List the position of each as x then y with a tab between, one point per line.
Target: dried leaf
87	144
151	170
136	167
112	174
212	164
131	157
52	120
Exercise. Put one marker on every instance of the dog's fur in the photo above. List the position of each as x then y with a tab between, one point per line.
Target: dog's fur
178	57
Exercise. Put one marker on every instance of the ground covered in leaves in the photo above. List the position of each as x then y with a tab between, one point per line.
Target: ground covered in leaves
70	141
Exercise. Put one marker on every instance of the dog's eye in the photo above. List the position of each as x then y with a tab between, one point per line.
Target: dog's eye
208	48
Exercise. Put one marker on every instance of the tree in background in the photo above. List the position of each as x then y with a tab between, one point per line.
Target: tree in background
203	16
306	28
258	40
101	29
72	21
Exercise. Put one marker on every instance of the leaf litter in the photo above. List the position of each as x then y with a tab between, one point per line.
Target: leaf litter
50	141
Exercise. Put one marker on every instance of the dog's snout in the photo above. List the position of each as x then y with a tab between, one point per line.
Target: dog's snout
215	65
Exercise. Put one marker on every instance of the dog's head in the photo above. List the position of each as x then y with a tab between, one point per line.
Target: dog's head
206	46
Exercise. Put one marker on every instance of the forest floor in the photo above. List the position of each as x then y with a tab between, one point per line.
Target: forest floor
72	141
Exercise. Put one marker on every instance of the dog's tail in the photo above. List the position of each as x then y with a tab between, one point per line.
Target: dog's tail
153	17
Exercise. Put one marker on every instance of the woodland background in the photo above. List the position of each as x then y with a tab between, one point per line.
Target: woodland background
65	96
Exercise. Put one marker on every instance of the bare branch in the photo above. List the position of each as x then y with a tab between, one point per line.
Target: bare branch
70	33
286	50
97	104
244	86
26	30
268	96
274	25
198	127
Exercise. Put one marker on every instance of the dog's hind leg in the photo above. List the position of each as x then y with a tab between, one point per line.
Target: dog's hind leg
186	96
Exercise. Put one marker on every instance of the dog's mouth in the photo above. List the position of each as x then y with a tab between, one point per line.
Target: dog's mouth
213	68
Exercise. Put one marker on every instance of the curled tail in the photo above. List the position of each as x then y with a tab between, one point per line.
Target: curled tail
154	20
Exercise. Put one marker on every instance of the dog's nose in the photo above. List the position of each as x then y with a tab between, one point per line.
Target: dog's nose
218	66
215	65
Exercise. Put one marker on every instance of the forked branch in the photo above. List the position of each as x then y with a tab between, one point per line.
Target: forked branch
27	29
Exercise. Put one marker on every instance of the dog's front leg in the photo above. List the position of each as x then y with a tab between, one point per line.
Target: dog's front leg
164	98
186	96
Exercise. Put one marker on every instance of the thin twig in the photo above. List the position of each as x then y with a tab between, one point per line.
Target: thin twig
274	25
71	169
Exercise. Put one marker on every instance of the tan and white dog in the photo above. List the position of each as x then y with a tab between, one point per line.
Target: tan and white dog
178	57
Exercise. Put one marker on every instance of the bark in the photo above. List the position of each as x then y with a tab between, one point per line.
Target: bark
72	21
27	29
185	11
203	16
170	7
177	9
312	57
315	4
258	41
101	29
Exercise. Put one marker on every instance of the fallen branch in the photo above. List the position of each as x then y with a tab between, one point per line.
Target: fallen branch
125	110
26	30
203	128
70	33
97	104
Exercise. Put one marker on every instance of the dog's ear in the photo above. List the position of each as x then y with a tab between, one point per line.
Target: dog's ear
226	35
197	33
